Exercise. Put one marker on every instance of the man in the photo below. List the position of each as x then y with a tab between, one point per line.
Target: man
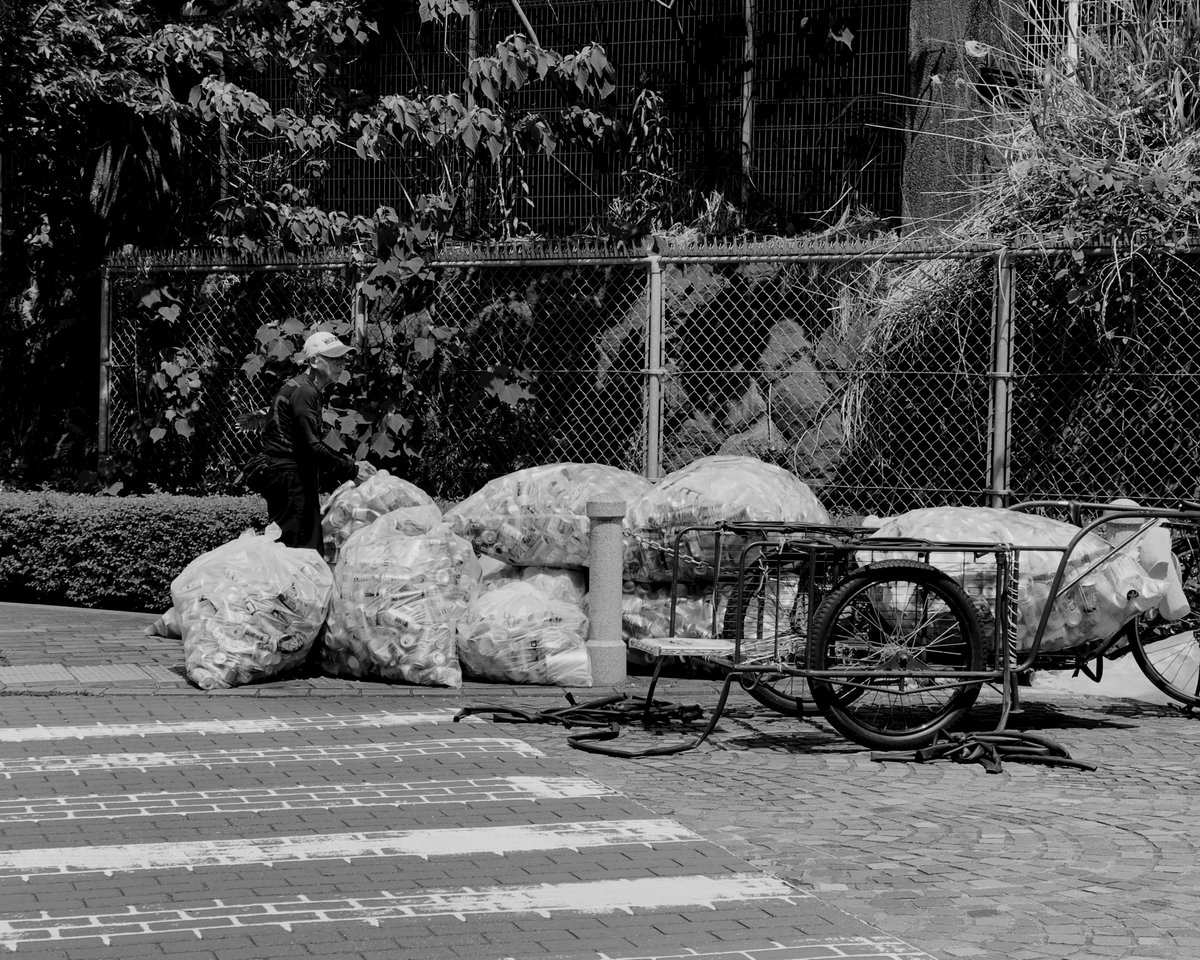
298	462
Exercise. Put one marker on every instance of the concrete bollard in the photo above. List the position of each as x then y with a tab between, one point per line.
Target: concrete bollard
606	556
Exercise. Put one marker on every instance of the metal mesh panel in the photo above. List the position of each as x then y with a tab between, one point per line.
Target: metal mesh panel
220	312
574	337
752	359
916	410
1106	401
868	380
867	374
867	377
827	123
1052	28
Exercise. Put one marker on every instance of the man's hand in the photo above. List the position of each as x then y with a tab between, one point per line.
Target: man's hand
365	470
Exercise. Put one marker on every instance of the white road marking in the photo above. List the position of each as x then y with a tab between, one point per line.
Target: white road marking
810	948
594	897
77	764
466	841
114	806
208	728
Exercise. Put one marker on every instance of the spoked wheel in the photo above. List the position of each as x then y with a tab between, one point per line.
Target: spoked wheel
1169	651
767	626
904	621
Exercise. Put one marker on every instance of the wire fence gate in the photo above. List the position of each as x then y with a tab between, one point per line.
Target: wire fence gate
887	377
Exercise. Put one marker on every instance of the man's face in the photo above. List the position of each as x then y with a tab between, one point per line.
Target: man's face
332	367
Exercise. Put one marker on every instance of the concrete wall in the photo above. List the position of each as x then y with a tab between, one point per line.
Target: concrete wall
941	167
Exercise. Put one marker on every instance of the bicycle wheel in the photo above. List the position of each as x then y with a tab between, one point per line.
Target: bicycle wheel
903	620
767	626
1168	652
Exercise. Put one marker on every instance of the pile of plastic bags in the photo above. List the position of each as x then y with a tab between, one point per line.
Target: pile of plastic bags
353	506
407	599
519	632
538	516
1095	605
766	619
709	491
535	631
400	588
561	583
249	610
646	611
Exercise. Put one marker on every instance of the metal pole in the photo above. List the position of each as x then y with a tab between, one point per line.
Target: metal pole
472	54
1001	397
529	31
748	104
654	370
1072	51
105	360
358	314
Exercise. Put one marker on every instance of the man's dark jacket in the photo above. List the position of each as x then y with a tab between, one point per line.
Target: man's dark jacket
295	462
294	430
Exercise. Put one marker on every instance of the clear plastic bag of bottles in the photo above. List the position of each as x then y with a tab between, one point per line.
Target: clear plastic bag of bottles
249	610
709	491
352	506
398	596
538	516
520	633
1105	588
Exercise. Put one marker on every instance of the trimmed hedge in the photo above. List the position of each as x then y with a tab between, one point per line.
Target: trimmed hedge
116	553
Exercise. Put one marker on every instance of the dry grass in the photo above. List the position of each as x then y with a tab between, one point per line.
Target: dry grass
1090	144
1100	140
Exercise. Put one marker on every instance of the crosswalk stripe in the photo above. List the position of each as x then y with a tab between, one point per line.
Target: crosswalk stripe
464	747
452	842
205	728
326	796
584	897
807	948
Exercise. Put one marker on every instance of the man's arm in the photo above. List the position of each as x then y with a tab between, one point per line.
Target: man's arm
306	408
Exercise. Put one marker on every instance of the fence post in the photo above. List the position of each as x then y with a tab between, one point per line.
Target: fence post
1000	403
747	144
654	370
358	313
606	554
105	360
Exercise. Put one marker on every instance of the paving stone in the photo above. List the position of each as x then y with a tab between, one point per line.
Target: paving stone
34	673
105	673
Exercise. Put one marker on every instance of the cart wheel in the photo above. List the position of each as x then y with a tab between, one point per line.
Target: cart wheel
769	634
1169	651
782	692
903	620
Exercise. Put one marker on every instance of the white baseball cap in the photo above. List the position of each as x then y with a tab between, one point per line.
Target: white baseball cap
324	344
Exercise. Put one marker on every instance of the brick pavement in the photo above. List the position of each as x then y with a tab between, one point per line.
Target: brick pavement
47	649
354	825
1035	862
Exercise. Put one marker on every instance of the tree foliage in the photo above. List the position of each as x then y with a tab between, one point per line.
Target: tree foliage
143	123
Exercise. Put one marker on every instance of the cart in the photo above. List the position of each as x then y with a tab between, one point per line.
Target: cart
892	640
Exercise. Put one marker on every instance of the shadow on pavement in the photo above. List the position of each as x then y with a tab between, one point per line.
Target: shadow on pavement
1040	716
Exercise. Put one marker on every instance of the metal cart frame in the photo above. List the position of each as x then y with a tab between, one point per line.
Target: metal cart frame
945	644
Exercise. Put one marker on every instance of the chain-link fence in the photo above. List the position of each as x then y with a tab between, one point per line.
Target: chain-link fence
1106	389
864	371
202	315
887	377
